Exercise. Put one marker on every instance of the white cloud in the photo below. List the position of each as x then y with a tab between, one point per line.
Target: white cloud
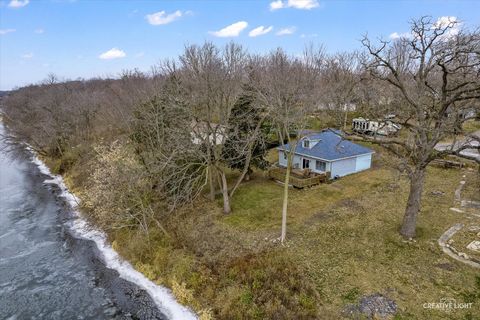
260	31
5	31
286	31
297	4
396	35
232	30
139	54
160	18
443	22
275	5
27	55
451	22
39	31
113	53
303	4
311	35
18	3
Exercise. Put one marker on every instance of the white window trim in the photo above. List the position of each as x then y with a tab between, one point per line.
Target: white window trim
324	165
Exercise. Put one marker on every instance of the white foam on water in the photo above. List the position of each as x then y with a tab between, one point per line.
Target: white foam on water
80	227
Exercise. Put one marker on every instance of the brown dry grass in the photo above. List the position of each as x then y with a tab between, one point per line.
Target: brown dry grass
345	235
343	243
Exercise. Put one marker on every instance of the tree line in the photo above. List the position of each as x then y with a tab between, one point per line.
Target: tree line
157	141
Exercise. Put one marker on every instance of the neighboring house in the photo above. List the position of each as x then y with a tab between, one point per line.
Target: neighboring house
367	126
327	151
330	106
200	130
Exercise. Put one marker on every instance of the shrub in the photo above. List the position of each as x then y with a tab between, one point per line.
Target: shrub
119	193
181	292
267	285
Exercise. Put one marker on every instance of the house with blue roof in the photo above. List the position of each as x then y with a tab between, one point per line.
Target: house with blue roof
327	151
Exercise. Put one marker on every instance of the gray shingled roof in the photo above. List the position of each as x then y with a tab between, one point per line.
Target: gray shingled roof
330	147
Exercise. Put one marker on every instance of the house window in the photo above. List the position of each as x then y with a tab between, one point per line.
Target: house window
306	163
306	144
320	166
284	155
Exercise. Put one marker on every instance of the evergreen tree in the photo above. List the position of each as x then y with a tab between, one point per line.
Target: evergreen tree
243	136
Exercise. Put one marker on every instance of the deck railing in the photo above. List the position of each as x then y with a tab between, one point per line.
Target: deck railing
297	181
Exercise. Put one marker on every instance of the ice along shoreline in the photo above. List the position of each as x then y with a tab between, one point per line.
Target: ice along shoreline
81	229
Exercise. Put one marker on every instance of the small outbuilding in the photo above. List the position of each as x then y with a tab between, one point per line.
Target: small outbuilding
327	152
366	126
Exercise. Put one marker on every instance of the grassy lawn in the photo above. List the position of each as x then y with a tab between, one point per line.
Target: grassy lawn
346	235
471	126
466	235
343	243
471	190
471	231
259	202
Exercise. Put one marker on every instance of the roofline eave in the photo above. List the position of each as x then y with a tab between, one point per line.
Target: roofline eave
328	160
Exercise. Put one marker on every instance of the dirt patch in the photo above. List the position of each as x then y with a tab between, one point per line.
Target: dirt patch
375	306
445	266
317	217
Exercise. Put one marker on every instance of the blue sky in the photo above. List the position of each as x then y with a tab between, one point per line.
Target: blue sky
87	38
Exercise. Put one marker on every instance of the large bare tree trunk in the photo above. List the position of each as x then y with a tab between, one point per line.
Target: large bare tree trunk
245	171
226	198
210	174
345	119
285	202
211	184
285	193
413	204
247	175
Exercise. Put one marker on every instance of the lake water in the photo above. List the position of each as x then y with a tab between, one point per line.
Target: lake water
46	272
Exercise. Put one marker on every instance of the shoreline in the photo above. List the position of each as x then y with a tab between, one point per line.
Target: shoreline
80	228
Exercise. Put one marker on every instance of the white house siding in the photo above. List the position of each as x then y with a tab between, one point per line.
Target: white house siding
313	166
363	162
336	168
281	159
343	167
297	160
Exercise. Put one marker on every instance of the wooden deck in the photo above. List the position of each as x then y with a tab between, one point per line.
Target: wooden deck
298	178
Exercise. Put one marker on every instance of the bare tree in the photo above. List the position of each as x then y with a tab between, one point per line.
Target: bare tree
338	83
55	116
435	73
209	81
285	86
213	79
118	195
162	138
